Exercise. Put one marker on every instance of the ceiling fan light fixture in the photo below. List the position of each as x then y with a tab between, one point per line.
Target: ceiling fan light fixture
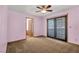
43	11
44	8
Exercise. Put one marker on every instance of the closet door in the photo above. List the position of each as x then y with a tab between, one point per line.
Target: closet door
50	28
60	28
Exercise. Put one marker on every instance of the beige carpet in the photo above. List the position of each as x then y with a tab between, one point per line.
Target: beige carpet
41	45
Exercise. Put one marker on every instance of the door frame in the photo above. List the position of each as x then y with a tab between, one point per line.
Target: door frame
66	27
32	25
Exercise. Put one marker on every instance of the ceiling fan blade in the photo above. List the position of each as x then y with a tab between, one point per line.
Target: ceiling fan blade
49	10
39	7
43	6
48	6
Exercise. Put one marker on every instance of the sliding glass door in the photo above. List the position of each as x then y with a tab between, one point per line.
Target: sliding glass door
60	28
57	28
51	28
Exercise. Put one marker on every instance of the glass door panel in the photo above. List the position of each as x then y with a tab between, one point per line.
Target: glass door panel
60	28
51	28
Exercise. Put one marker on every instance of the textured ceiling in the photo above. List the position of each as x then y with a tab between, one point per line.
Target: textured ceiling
32	8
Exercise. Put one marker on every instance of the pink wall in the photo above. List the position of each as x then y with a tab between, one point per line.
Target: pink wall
38	22
16	26
38	26
73	17
73	24
3	28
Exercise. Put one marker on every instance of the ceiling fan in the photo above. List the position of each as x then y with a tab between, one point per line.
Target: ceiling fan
44	8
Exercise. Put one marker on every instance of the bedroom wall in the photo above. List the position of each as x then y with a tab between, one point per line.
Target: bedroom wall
38	26
16	26
73	17
3	28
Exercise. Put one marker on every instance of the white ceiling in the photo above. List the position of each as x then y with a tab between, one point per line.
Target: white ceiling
31	9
